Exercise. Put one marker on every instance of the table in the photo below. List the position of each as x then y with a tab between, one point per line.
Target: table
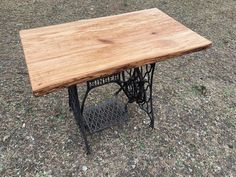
121	49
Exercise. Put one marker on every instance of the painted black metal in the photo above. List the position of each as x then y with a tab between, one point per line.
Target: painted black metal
137	86
136	83
75	107
105	115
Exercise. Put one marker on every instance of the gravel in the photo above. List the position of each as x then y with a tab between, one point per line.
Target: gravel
194	101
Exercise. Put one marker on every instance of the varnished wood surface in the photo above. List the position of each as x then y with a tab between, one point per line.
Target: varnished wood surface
62	55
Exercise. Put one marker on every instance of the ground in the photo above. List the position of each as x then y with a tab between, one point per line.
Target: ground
194	101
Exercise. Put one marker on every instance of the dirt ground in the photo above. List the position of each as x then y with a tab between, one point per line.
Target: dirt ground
194	101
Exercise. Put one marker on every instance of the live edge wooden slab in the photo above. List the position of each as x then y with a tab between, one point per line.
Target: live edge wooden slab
62	55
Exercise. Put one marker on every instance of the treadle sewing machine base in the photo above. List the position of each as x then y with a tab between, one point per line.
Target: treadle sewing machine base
137	86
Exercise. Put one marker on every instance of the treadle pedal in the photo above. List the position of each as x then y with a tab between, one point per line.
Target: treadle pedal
105	115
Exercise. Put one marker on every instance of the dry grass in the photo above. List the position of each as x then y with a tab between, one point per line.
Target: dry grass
194	99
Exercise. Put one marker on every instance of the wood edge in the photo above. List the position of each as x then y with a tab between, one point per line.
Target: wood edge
49	89
24	55
180	23
88	19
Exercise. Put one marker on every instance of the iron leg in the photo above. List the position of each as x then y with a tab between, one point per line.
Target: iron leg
75	106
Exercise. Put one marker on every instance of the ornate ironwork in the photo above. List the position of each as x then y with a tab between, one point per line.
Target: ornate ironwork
115	78
104	115
103	80
136	84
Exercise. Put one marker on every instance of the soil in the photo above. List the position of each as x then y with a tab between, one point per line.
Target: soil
194	101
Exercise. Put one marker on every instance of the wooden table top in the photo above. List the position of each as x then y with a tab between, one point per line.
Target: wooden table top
62	55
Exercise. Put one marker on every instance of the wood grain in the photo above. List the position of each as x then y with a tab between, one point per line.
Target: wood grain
62	55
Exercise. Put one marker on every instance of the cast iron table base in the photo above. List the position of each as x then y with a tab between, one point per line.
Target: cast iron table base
136	83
